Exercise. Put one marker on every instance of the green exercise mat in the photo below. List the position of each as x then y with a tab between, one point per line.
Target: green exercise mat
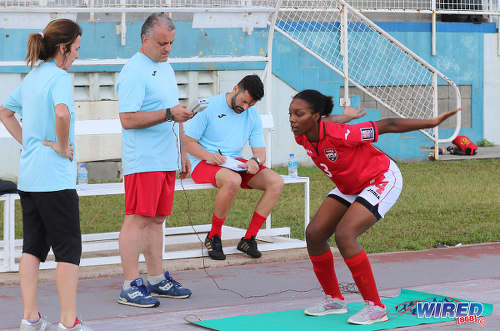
402	312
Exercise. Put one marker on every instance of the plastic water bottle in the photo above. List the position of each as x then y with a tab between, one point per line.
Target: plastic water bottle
292	166
83	175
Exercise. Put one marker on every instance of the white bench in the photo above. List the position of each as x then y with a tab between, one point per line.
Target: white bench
10	248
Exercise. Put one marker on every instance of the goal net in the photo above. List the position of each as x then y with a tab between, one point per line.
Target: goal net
368	58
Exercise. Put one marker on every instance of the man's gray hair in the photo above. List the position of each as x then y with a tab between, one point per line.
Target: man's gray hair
154	20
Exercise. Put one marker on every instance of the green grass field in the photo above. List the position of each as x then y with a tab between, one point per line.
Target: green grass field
442	202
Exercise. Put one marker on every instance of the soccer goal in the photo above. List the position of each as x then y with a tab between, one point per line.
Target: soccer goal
368	58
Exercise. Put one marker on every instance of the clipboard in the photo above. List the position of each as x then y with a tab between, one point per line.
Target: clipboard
233	164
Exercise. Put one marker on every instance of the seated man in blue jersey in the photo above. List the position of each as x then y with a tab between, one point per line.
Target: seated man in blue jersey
220	131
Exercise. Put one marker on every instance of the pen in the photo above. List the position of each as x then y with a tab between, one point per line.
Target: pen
219	151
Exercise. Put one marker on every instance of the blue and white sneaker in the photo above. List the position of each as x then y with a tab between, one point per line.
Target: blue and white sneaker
138	295
169	288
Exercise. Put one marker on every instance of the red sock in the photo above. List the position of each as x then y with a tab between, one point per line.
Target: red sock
325	272
216	226
363	276
255	224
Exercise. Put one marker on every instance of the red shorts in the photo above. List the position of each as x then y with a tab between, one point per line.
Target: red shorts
149	193
205	173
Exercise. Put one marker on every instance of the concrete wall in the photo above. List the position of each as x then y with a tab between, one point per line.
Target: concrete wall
491	94
97	147
10	150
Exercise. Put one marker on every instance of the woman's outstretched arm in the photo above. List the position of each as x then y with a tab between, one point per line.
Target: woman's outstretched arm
407	124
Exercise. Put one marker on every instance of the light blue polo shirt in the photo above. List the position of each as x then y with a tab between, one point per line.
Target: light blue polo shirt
41	169
220	127
145	85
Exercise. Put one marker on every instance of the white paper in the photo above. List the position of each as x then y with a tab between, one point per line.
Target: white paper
233	164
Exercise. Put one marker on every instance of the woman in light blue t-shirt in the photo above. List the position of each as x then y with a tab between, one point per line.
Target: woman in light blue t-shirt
47	170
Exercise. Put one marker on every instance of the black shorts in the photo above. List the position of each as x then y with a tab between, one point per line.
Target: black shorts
52	219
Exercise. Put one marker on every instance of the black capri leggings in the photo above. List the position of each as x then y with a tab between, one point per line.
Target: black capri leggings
52	219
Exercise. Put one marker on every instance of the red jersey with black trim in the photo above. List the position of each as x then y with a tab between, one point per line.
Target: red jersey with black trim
345	154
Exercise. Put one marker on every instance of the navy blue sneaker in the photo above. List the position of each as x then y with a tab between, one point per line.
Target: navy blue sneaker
138	295
169	288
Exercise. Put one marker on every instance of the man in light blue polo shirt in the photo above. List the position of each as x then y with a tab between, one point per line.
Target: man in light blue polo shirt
221	131
151	118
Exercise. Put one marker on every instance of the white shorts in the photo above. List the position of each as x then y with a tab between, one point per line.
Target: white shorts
379	197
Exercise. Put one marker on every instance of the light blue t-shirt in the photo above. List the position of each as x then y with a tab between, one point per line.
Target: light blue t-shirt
219	127
145	85
41	169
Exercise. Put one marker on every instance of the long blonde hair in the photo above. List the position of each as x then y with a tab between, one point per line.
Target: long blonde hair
43	46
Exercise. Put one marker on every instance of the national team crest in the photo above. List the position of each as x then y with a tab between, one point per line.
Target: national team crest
367	134
331	154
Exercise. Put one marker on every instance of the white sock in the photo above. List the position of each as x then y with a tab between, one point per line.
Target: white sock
35	321
64	327
27	322
156	279
126	284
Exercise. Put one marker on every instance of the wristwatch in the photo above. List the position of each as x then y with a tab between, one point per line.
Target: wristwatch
168	115
256	159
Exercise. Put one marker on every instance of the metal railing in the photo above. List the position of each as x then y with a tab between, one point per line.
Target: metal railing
369	58
491	7
408	6
135	5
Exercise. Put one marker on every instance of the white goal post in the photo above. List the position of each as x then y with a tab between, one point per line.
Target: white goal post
369	58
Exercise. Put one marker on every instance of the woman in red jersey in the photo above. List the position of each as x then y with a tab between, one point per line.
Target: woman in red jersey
368	183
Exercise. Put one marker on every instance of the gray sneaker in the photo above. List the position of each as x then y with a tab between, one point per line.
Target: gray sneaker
80	327
41	325
328	306
369	314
